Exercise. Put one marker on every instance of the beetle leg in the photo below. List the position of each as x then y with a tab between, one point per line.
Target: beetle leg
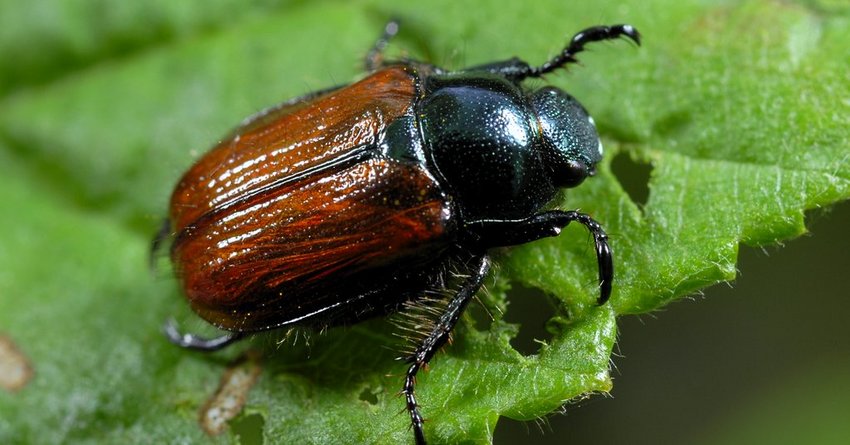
593	34
375	56
438	337
514	68
191	341
159	240
517	70
497	233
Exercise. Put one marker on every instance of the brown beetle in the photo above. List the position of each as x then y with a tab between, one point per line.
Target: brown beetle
354	201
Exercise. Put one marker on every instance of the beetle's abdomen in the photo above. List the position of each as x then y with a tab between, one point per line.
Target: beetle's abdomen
290	139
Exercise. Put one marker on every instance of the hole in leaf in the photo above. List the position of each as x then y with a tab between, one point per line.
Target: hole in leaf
368	396
248	430
633	177
530	308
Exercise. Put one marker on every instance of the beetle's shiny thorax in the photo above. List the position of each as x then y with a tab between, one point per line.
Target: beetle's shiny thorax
485	143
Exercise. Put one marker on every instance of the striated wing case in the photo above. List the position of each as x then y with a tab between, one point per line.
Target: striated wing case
308	211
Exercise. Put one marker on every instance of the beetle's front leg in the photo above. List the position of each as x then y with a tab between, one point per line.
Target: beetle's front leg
497	233
517	70
514	68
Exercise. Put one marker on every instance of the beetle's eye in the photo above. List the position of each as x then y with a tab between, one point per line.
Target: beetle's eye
571	174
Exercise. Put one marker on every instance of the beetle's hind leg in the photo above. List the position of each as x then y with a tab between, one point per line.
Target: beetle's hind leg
184	340
159	241
437	338
375	57
194	342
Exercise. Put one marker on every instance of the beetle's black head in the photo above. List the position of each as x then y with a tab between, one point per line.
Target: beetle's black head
571	146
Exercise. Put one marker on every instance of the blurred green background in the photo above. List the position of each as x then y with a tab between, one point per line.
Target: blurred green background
763	361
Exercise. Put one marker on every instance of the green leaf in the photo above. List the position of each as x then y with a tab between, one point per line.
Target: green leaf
741	110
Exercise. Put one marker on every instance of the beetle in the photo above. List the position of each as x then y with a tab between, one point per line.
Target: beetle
354	201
